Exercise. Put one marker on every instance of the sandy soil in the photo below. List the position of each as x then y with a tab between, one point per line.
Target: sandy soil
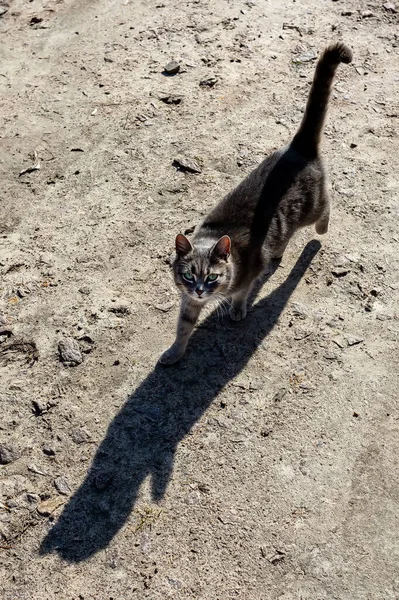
265	464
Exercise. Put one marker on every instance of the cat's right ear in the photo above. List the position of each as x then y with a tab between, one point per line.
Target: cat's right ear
183	245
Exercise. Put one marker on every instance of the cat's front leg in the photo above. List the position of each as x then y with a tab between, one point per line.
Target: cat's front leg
189	313
238	308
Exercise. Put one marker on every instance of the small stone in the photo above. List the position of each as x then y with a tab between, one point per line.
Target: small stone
266	431
171	99
209	82
172	68
164	307
80	436
35	20
204	488
299	310
187	164
85	290
35	469
32	498
47	507
48	451
103	480
3	10
62	486
305	57
346	13
120	310
69	351
8	454
353	340
390	7
340	271
365	14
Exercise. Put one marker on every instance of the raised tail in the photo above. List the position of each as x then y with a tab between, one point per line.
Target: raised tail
307	138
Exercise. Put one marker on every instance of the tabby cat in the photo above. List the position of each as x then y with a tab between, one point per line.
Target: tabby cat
254	223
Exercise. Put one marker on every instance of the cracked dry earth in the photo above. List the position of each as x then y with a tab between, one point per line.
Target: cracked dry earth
265	464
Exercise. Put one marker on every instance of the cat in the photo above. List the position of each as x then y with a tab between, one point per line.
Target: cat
253	224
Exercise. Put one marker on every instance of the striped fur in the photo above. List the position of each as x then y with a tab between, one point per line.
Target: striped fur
255	222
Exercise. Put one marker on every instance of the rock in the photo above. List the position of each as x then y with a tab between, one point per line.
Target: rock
165	307
32	498
209	82
35	469
366	14
69	351
3	10
8	454
35	20
186	164
47	507
306	56
299	310
171	99
340	271
120	310
103	480
48	451
390	7
352	340
172	68
80	436
62	486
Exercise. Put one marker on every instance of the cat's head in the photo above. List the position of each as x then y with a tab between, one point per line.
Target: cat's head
202	272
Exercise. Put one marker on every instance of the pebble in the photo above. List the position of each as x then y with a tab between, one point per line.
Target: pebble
339	271
62	486
48	451
209	82
80	436
7	454
69	351
165	307
305	57
171	99
172	67
3	10
390	7
187	164
352	340
47	507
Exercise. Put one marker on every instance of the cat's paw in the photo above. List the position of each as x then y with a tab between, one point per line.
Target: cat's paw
171	355
238	313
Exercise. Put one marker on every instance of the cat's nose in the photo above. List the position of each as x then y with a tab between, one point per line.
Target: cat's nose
199	290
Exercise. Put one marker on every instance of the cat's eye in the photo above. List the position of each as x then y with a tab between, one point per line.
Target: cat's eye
212	277
188	277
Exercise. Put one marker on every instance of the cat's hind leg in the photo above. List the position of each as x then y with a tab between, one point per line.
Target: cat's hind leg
323	221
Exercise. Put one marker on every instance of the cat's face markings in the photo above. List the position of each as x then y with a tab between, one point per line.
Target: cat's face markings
202	272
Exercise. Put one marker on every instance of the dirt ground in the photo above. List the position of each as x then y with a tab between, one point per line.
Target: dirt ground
265	464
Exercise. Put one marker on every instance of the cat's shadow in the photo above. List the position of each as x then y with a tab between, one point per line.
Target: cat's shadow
142	439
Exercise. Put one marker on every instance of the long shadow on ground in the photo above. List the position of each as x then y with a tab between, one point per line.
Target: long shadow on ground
143	437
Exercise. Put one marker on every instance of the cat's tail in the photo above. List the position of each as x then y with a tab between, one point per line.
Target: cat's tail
307	138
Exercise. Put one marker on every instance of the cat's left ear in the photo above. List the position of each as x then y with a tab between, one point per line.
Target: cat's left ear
222	248
183	245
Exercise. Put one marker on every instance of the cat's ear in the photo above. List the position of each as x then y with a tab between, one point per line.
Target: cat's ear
183	245
222	248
